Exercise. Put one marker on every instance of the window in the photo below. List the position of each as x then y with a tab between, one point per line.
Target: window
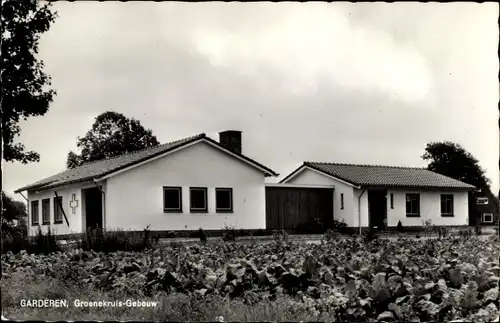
172	199
58	215
487	218
412	205
34	213
341	201
198	199
392	200
482	200
46	211
224	200
446	204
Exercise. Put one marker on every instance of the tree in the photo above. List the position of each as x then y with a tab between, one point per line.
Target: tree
112	134
452	160
25	87
12	210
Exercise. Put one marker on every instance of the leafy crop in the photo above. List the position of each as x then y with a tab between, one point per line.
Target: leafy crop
352	279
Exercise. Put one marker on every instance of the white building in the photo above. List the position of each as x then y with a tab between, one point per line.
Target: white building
183	185
365	195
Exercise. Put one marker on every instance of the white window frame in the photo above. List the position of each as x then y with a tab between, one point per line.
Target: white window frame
224	210
447	196
172	210
485	199
205	193
412	214
47	213
484	218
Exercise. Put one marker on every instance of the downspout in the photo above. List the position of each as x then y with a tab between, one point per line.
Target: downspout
359	209
103	203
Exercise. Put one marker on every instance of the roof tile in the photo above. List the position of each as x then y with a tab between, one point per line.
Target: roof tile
387	176
102	167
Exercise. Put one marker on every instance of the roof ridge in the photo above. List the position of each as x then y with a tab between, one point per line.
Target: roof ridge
200	135
363	165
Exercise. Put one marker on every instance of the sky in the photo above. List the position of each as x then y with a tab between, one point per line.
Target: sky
368	83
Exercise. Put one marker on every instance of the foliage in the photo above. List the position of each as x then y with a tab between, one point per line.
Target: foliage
171	234
25	91
106	241
228	233
400	227
428	227
280	237
17	241
112	134
370	235
340	226
331	235
406	280
465	233
202	236
13	211
452	160
442	231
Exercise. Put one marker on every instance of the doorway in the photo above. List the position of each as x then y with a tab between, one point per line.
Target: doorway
377	208
93	208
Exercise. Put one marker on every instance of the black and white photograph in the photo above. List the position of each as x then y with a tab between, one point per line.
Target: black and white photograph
250	161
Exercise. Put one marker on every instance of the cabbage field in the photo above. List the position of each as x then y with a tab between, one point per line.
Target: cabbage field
345	279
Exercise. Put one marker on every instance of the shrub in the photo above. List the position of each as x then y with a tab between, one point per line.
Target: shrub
228	233
280	236
340	226
202	236
400	227
442	231
100	240
171	234
370	235
465	233
331	235
16	241
478	229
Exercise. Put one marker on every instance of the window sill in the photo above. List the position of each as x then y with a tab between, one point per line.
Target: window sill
447	215
58	222
172	211
46	223
412	215
35	224
198	211
224	211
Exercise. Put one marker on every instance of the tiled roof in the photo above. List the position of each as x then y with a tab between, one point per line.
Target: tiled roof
104	167
387	176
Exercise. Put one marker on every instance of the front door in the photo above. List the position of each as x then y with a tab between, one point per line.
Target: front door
93	208
377	208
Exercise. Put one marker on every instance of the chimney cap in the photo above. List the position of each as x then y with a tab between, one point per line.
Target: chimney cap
226	131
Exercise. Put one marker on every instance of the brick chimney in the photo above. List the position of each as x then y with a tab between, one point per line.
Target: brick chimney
231	139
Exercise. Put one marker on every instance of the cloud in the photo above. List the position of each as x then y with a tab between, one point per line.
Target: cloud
361	83
309	44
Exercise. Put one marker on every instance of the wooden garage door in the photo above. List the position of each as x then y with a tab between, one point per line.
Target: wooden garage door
289	207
